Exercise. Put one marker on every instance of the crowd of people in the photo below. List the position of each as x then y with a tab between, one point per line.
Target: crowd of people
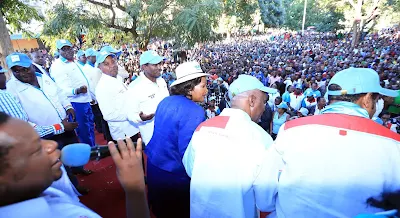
229	128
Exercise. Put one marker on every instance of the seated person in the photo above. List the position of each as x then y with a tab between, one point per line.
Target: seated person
30	165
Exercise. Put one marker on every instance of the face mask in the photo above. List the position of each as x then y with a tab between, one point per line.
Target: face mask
379	107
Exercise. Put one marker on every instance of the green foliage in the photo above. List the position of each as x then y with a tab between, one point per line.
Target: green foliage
322	14
272	12
16	14
241	9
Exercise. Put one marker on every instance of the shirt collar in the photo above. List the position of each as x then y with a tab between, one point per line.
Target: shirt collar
64	59
236	113
90	63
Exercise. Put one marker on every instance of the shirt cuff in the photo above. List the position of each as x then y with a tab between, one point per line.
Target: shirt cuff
58	128
68	107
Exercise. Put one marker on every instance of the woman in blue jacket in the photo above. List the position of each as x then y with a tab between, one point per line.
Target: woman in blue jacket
176	118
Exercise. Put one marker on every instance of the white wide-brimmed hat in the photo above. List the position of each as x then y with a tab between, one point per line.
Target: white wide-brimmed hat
188	71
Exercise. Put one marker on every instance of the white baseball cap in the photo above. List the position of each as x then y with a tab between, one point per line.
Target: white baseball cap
188	71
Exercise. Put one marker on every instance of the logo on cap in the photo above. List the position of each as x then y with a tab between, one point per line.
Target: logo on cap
154	53
104	53
15	58
63	41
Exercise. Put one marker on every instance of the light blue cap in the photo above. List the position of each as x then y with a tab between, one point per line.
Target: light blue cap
90	52
101	56
18	59
63	42
80	53
283	105
56	53
109	49
150	57
246	83
3	70
358	81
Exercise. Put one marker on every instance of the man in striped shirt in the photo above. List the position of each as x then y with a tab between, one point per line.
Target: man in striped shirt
10	106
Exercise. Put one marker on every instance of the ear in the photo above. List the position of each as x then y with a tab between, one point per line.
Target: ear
252	100
367	100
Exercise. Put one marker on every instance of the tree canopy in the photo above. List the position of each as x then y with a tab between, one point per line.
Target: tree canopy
272	12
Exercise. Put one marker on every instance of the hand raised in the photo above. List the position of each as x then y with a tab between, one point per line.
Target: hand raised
128	161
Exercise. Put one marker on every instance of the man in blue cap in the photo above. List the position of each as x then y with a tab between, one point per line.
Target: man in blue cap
146	92
223	182
73	82
335	177
80	55
122	73
112	96
93	74
40	102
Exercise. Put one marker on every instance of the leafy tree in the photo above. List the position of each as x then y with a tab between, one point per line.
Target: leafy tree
14	14
322	14
272	12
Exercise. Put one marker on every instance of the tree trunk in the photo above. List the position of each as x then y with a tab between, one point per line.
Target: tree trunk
356	34
6	47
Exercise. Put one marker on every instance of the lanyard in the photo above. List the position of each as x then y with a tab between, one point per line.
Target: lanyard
83	75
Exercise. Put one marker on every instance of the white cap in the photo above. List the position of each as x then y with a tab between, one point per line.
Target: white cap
188	71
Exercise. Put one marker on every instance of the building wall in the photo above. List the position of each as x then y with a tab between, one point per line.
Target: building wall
22	44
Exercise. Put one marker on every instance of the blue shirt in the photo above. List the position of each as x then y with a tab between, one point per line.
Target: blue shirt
176	119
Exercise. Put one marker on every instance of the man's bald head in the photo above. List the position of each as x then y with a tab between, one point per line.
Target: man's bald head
252	102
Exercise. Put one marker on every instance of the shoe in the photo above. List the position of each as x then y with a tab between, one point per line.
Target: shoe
82	190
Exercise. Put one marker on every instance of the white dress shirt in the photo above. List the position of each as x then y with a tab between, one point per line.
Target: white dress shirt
52	203
223	159
45	105
112	97
295	101
144	96
69	76
93	74
307	178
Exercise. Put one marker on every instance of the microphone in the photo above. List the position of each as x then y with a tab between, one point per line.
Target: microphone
75	155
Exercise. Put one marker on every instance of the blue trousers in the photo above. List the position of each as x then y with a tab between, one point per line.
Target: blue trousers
84	117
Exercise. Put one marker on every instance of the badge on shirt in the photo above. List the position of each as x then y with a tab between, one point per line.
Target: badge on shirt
152	96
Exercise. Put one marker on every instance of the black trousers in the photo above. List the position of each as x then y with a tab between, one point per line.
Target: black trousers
98	118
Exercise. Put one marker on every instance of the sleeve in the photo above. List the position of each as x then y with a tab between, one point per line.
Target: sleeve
118	109
187	127
133	106
63	99
266	182
61	77
48	131
188	158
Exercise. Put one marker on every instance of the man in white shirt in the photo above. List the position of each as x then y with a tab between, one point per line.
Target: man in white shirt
73	82
145	93
307	178
94	74
112	95
225	156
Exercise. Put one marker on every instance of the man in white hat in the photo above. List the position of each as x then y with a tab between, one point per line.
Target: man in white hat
335	178
225	156
145	93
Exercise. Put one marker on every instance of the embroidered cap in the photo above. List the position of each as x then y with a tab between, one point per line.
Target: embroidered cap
150	57
90	52
80	53
63	42
358	81
18	59
101	56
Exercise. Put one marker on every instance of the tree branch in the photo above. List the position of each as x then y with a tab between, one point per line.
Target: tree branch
101	4
119	6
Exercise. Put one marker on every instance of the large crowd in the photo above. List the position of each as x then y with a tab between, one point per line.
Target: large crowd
221	125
